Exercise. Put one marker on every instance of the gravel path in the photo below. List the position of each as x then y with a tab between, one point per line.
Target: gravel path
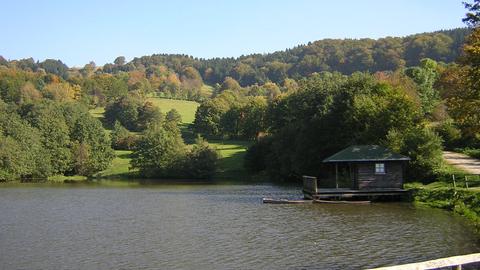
462	161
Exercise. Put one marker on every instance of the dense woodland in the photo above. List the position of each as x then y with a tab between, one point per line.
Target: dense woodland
417	95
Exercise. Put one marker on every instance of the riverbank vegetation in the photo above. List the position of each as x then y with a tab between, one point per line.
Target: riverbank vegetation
457	199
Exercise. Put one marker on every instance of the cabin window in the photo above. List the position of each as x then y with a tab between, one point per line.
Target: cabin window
379	168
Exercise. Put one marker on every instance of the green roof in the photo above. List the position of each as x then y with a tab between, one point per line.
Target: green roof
365	153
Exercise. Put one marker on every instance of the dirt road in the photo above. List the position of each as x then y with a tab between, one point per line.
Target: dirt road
462	161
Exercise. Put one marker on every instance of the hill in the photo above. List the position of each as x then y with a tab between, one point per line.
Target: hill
342	55
172	72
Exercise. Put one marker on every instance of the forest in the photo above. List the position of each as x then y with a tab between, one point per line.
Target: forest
417	95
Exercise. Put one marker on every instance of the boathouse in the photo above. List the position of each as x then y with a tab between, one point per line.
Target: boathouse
369	170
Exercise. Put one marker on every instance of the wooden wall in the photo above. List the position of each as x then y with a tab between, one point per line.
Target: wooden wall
367	179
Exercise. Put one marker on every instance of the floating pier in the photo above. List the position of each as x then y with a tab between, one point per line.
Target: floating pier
312	192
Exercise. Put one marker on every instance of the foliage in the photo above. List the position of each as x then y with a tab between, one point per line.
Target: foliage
210	112
47	138
132	113
472	18
121	138
201	160
159	151
48	118
463	90
301	125
254	160
450	134
21	150
475	153
162	153
173	116
346	56
425	76
91	146
423	146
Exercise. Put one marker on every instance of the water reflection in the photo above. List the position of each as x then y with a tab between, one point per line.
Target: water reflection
133	225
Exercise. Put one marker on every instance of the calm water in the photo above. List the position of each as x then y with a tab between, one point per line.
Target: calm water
213	227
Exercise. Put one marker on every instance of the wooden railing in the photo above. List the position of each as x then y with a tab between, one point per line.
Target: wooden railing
457	262
309	184
468	180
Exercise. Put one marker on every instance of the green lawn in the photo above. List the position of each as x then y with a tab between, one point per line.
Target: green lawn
97	112
119	167
231	158
230	164
186	108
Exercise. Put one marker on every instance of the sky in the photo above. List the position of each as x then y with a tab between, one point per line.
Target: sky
78	32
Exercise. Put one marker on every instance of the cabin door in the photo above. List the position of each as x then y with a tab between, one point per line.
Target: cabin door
355	176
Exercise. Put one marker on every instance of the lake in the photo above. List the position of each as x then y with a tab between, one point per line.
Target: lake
223	226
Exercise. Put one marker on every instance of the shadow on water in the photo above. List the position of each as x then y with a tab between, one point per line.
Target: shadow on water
213	225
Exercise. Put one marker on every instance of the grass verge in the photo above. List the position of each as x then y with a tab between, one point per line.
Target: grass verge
461	201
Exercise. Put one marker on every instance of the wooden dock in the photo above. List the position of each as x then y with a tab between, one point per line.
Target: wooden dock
312	192
457	262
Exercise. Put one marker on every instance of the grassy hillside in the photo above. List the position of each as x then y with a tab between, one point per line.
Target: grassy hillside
186	108
231	151
120	166
98	112
231	161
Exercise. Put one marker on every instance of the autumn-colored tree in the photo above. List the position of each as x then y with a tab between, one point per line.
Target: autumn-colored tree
464	99
272	90
191	78
230	83
29	94
62	91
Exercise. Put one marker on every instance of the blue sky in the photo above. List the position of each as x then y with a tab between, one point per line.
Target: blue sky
81	31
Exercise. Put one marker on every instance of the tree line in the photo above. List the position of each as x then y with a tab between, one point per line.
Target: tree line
183	76
46	129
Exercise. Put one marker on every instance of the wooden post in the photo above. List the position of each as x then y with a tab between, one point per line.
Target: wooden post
336	175
454	184
466	181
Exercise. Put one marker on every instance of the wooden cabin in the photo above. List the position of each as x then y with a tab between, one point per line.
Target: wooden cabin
372	169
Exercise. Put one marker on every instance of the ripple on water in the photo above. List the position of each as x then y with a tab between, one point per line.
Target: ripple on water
214	227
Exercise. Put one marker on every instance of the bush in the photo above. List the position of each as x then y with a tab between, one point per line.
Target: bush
201	161
424	147
254	160
121	138
161	153
450	134
173	116
132	113
475	153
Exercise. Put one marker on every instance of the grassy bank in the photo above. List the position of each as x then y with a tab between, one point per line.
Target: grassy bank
231	158
459	200
230	164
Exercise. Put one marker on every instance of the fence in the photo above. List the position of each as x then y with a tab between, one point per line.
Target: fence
466	181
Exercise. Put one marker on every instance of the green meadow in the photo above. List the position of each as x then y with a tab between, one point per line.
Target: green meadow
186	108
231	151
